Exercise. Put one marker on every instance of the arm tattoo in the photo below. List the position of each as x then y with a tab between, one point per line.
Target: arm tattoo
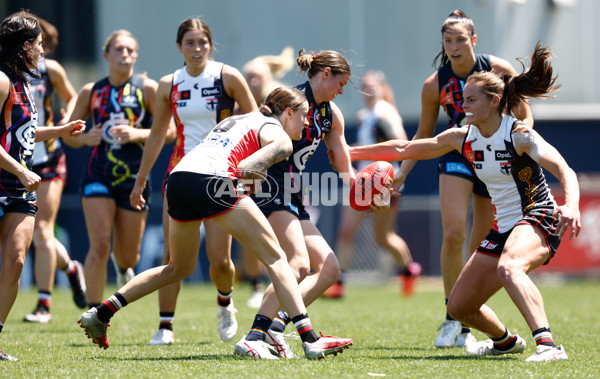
254	166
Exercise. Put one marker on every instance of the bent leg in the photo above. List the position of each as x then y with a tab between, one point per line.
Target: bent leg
248	225
476	284
184	238
525	250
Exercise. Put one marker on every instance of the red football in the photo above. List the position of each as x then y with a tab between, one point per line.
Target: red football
369	185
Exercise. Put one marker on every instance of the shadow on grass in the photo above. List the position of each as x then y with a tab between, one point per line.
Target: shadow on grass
196	357
145	346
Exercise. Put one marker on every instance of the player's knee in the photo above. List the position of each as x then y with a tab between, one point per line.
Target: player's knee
179	272
456	309
221	264
454	238
13	269
331	271
508	269
101	247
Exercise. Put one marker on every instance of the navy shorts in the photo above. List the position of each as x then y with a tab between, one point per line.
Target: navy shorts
120	194
456	164
193	197
494	242
19	205
282	201
53	169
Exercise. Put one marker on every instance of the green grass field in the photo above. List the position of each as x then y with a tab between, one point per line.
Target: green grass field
393	337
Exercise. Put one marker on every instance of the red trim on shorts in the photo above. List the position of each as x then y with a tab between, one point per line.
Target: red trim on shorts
486	253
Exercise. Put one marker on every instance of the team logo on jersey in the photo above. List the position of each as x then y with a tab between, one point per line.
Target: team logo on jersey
211	91
503	155
505	168
26	135
478	156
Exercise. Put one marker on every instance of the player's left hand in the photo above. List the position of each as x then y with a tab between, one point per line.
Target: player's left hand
568	217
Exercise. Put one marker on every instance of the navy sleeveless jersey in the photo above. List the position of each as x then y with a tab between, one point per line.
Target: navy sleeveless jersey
451	89
320	120
112	161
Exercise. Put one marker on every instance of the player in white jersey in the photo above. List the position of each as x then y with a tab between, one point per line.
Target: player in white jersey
205	186
529	224
198	96
379	121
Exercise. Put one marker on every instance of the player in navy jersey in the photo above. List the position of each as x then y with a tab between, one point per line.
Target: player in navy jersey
121	106
198	96
529	225
208	184
49	162
457	180
311	258
20	52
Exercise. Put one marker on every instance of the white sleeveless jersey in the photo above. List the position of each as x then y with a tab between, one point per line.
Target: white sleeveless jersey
367	130
198	103
230	142
516	183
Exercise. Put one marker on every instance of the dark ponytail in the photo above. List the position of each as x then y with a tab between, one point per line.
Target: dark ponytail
537	81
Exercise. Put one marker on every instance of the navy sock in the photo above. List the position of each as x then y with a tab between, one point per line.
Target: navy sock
259	328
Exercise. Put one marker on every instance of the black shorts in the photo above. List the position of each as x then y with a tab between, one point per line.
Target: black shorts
282	201
54	169
120	194
193	197
456	164
19	205
494	242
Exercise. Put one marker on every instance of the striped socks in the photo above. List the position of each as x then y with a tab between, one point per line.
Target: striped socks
506	342
110	306
543	336
224	299
166	320
304	328
44	300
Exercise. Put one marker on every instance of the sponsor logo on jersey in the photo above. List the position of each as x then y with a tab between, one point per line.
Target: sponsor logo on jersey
477	166
503	155
129	101
211	91
19	98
